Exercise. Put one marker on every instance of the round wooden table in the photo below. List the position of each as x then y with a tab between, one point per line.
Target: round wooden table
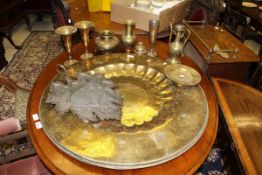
60	163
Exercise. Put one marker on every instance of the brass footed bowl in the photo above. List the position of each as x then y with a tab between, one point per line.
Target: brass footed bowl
159	120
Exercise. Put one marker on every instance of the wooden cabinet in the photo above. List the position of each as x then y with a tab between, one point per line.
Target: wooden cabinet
38	7
235	66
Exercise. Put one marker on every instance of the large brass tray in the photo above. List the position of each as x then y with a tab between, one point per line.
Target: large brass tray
159	120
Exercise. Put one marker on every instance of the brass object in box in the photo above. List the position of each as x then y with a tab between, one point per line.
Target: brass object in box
160	121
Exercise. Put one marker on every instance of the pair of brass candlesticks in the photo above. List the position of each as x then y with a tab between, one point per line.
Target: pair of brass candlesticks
67	31
128	37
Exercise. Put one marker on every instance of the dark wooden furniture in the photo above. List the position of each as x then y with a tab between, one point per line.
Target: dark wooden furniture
39	7
3	61
242	108
11	11
253	13
61	11
211	10
218	66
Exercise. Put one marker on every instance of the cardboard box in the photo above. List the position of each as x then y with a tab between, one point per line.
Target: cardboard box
121	10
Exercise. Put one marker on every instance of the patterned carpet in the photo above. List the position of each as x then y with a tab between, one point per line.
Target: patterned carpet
37	51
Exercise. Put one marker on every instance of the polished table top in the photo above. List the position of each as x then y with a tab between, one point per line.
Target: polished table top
102	20
242	109
59	162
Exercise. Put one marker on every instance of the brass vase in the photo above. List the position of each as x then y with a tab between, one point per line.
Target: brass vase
106	42
129	37
153	30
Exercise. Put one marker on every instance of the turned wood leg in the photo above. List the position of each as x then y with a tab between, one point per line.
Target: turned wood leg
3	61
27	21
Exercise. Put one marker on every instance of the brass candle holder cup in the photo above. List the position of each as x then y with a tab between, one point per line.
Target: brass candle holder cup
84	28
66	33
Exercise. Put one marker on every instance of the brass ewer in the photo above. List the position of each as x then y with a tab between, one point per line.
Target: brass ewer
129	37
176	47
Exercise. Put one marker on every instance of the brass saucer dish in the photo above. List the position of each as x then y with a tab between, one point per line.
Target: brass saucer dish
160	121
182	74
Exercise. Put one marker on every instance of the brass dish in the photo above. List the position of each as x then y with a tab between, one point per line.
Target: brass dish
182	74
160	121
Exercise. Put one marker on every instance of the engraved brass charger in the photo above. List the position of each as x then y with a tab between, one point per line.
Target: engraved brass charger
159	120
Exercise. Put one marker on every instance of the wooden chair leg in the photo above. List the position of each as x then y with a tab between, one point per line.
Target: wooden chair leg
3	61
28	22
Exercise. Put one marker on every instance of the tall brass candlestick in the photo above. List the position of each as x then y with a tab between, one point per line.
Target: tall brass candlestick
84	28
66	33
153	30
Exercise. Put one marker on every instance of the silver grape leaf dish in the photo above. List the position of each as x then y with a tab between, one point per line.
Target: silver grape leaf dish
90	97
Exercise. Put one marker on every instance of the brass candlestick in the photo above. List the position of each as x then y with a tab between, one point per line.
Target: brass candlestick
84	28
153	30
66	33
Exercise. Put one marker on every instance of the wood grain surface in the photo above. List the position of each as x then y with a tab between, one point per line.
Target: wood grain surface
242	109
212	35
102	20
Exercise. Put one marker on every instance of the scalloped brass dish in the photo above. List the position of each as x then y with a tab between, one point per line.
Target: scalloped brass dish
160	121
145	91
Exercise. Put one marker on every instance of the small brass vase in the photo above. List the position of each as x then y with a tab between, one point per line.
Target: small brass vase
106	42
129	37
